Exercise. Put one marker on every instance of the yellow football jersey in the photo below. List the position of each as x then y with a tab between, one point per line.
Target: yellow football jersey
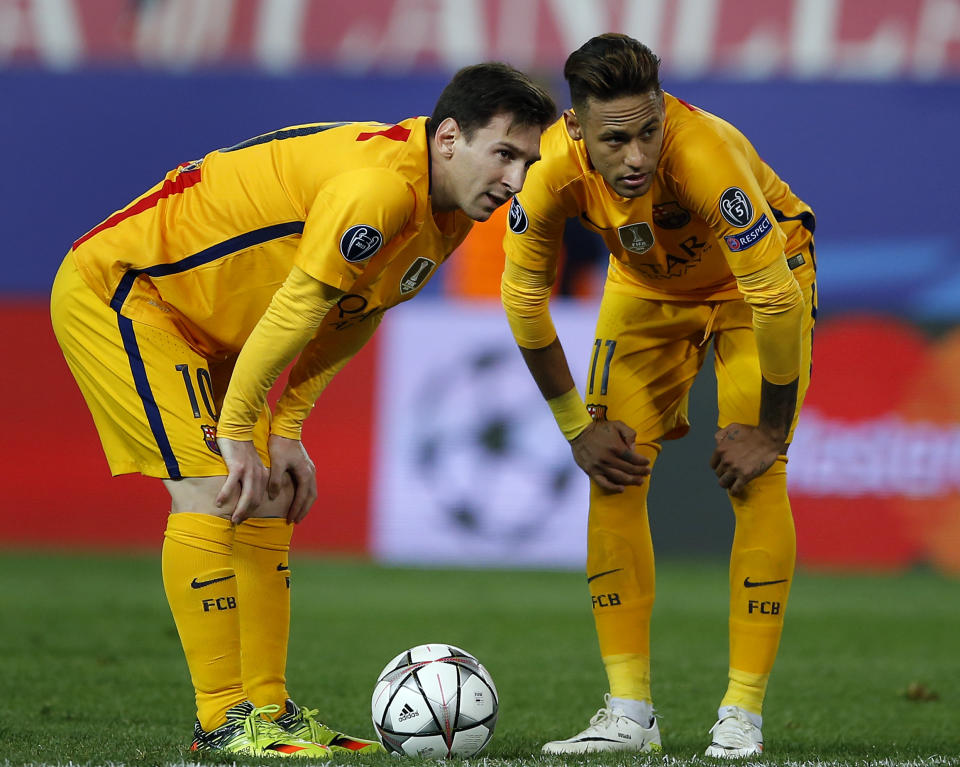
715	211
202	253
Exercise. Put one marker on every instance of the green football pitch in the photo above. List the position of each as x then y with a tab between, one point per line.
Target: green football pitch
868	672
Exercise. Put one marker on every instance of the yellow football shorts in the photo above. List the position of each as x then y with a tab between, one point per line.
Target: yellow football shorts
153	397
647	353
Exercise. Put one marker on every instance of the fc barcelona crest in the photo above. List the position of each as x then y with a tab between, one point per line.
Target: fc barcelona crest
210	438
637	238
669	215
597	412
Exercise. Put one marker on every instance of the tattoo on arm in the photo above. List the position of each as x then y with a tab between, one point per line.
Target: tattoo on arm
777	406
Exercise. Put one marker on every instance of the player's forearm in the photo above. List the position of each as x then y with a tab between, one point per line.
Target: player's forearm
293	316
525	294
778	404
319	362
777	303
550	370
264	356
296	403
526	299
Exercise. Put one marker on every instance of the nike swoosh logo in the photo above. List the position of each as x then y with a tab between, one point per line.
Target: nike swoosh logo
748	584
597	740
282	567
195	584
600	575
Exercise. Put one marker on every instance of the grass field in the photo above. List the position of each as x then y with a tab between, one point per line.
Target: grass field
868	673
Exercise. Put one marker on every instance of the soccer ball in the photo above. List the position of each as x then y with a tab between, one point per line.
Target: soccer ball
434	701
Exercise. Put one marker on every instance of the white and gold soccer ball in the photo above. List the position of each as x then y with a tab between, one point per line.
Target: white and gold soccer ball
435	701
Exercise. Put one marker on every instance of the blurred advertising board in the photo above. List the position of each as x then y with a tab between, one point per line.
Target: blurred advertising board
875	467
434	446
743	38
470	468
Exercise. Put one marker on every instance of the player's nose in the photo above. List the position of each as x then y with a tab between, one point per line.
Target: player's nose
514	176
635	155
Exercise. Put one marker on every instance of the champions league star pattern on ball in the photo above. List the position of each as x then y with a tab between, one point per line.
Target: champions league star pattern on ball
435	701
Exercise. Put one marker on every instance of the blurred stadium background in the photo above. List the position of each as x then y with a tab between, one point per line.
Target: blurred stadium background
433	446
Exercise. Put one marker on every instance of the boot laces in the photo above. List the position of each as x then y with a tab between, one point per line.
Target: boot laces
735	731
604	716
259	723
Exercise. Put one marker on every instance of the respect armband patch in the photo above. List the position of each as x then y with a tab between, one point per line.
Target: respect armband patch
749	238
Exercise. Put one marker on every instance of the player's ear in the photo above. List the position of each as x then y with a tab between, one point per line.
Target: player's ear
448	131
572	124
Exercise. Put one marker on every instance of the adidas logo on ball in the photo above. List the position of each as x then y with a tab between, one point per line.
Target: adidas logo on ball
434	701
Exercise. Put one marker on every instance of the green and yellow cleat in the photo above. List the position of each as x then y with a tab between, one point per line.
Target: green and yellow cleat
302	723
252	731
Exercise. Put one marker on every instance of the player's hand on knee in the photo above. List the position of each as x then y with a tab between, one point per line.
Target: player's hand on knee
246	477
742	454
606	453
289	457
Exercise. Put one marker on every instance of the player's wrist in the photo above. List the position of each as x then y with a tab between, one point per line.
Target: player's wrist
776	435
570	413
288	431
235	433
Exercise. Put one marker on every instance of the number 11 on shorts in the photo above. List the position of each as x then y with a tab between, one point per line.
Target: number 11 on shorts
605	375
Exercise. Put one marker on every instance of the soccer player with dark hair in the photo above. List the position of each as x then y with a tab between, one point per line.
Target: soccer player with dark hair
706	243
178	313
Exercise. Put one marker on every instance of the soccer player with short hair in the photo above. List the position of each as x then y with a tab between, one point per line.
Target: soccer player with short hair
178	313
706	243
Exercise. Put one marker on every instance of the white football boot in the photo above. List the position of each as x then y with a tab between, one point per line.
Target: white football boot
736	735
609	731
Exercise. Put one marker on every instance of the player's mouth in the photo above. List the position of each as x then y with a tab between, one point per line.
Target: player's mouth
635	180
495	201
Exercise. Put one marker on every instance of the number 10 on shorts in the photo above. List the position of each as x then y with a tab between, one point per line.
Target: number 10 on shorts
205	385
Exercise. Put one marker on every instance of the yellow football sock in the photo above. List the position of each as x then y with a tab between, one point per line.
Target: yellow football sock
629	675
260	558
761	570
746	690
620	573
201	589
